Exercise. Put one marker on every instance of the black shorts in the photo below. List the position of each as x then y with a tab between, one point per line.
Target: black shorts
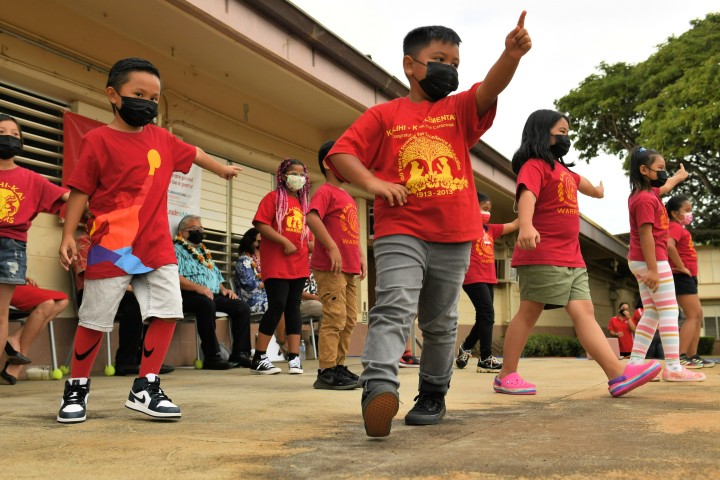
685	284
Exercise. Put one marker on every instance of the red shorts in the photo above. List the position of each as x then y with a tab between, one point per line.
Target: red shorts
26	297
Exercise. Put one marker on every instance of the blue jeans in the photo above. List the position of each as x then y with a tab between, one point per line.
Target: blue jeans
414	277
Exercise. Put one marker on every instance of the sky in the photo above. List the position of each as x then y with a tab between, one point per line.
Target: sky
570	39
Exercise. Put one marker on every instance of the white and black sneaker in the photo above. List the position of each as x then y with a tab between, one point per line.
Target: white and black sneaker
295	366
263	366
74	402
489	365
463	357
147	397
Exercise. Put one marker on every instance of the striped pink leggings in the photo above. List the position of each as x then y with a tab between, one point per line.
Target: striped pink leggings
660	311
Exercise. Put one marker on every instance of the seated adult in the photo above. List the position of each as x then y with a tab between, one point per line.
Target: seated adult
129	317
203	292
44	306
248	283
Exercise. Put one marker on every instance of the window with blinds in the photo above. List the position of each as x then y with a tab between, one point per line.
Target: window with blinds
227	210
42	126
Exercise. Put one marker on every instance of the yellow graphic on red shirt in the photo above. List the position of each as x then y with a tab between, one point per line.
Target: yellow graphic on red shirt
428	166
10	199
664	220
485	248
691	247
294	220
350	224
567	194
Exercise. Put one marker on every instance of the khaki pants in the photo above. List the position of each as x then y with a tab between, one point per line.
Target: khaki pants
338	294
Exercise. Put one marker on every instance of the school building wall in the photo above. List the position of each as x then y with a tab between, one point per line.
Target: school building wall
250	83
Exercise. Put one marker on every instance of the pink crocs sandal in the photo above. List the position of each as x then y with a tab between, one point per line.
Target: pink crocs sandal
513	384
683	375
633	377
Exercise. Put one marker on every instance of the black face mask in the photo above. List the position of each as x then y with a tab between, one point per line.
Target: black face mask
10	147
561	146
440	80
137	112
662	177
196	236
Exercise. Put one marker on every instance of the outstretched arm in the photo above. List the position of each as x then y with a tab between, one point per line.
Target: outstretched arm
206	162
353	170
517	44
672	182
587	188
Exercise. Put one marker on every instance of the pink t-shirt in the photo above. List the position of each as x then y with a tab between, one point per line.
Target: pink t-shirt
24	194
275	264
556	217
127	176
685	248
425	147
646	207
338	212
482	257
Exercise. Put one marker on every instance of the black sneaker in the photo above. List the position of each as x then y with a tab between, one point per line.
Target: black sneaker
74	403
489	365
147	397
429	409
463	357
379	407
263	366
242	360
343	370
332	379
216	363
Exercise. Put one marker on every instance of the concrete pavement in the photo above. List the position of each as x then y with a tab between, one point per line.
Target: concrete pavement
238	425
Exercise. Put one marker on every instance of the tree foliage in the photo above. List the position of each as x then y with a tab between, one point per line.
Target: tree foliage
670	103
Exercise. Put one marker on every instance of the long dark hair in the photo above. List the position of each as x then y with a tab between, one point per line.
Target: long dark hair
247	241
535	142
640	156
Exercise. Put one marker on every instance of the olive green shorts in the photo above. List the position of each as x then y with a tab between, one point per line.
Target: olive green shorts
553	286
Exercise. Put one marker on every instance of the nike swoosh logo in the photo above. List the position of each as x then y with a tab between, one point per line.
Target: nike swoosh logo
82	356
143	397
146	353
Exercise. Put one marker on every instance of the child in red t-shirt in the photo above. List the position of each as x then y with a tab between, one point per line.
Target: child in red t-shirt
23	194
621	327
336	262
413	154
648	261
547	256
684	264
123	172
479	285
280	219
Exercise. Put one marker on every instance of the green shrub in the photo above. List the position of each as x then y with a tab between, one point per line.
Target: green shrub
546	345
706	345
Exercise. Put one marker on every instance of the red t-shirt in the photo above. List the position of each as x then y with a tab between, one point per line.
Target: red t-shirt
685	247
556	217
620	324
24	194
127	176
338	211
646	207
275	264
424	146
482	257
